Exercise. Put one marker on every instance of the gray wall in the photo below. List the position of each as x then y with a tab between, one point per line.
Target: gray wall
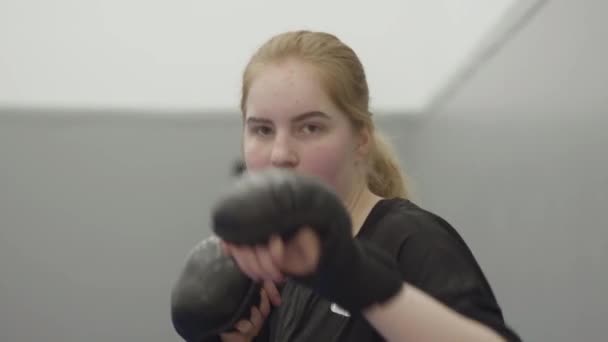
517	159
96	214
98	210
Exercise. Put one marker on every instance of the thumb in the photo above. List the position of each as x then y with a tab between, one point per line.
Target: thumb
277	250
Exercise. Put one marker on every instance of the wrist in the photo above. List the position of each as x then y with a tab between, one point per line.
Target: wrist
355	276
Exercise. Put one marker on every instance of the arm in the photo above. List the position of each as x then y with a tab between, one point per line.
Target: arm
279	224
445	286
412	315
406	312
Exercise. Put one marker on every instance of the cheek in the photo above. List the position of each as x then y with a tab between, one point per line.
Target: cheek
256	156
330	163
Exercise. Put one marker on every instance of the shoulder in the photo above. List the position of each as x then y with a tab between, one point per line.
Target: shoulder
433	257
429	250
395	222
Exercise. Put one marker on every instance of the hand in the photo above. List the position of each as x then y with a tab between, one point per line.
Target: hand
282	224
248	329
297	256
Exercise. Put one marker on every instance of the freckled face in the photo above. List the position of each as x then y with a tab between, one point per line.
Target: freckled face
291	123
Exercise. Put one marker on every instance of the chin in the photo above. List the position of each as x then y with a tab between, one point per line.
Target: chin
333	182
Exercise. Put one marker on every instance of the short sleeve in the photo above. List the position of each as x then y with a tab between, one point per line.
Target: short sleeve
441	265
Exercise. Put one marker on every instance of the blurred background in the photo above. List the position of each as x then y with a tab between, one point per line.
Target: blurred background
119	126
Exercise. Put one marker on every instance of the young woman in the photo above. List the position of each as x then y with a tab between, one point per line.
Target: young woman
305	107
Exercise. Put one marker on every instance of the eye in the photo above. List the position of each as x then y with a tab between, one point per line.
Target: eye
311	128
262	130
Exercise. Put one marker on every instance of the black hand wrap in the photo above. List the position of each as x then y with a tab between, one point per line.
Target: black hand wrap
211	294
350	273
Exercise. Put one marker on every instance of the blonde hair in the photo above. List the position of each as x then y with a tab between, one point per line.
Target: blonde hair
343	78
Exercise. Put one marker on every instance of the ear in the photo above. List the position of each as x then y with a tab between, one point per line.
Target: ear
238	168
364	143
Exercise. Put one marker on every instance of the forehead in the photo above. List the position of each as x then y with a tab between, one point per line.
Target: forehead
287	89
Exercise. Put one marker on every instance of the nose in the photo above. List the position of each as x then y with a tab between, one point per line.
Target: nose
283	153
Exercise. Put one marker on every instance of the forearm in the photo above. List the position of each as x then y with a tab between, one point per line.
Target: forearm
413	315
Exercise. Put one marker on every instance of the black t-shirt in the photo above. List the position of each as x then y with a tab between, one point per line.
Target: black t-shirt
432	256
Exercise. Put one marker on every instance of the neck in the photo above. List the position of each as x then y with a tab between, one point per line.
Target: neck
359	204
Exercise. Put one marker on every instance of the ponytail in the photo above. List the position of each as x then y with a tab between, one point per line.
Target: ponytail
385	177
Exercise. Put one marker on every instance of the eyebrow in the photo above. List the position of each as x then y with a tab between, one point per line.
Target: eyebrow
298	118
308	115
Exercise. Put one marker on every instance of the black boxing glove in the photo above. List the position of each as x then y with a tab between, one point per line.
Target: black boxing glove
211	294
353	274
